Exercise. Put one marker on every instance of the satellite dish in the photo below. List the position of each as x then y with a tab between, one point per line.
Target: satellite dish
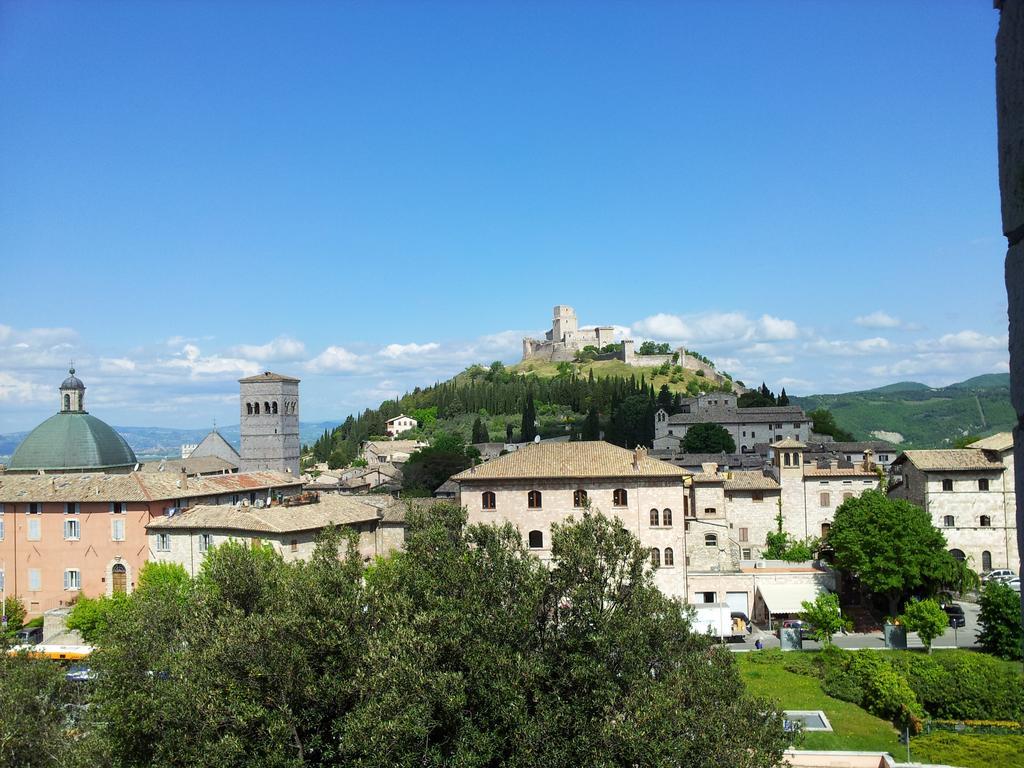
536	438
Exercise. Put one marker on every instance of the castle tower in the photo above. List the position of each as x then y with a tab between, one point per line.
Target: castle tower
563	323
269	404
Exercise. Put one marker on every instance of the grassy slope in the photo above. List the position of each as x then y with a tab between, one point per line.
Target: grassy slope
605	368
855	729
926	417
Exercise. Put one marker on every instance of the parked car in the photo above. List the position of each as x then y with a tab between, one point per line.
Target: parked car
79	673
999	574
1013	584
956	615
29	636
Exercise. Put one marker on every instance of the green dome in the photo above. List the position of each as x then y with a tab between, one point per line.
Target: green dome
73	442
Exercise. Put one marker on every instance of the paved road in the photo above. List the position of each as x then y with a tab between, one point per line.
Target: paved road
964	637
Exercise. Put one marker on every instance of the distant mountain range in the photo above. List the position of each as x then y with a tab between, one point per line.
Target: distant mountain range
914	415
160	442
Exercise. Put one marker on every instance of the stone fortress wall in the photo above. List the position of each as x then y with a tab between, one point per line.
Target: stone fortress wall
565	339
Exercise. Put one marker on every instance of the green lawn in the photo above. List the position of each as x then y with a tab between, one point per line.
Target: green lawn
855	729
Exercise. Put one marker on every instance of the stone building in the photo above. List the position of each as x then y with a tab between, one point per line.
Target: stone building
72	440
389	451
399	424
970	493
748	426
214	444
566	338
269	414
290	529
85	533
705	530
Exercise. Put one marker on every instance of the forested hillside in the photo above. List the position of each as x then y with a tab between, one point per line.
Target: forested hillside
491	402
914	415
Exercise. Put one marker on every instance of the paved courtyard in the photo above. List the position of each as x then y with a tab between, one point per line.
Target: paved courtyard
964	637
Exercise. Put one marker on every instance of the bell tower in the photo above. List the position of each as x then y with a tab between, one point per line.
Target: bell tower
269	415
72	393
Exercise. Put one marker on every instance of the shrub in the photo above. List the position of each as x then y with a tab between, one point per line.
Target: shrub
979	687
1001	631
868	679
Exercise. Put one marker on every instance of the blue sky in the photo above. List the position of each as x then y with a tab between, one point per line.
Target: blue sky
374	195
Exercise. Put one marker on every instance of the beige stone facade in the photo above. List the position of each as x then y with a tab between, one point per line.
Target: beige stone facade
970	495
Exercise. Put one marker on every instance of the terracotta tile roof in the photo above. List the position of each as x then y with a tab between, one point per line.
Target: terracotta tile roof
1001	441
134	486
331	509
951	460
727	414
197	465
571	459
387	447
750	481
788	443
707	477
71	487
857	470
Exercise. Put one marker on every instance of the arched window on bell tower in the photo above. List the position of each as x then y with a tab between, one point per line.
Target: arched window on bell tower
72	394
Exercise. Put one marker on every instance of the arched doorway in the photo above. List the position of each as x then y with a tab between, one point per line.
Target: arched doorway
119	579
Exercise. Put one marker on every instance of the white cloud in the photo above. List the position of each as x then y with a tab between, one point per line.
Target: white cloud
281	348
192	360
116	364
878	319
334	359
20	390
843	348
968	340
395	351
777	329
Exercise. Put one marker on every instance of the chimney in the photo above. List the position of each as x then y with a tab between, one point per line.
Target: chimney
833	463
868	459
638	454
709	468
184	478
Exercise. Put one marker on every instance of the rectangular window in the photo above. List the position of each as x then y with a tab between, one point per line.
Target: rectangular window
33	508
746	554
3	508
706	597
824	499
35	580
72	530
757	496
204	542
71	508
1	529
709	510
72	579
295	545
983	484
34	529
743	534
3	581
163	542
117	530
947	485
118	507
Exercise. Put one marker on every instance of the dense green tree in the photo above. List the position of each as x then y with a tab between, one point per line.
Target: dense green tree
665	399
1001	632
632	422
592	426
889	546
824	616
13	613
529	425
708	438
429	467
927	618
91	615
508	433
39	712
823	422
783	397
480	431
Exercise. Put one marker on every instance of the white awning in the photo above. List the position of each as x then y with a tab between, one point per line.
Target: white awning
787	598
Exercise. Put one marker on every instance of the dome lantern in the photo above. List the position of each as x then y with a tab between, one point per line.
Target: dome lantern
72	394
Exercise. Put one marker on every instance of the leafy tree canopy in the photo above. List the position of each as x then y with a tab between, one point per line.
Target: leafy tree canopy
708	438
925	617
824	616
889	545
824	423
1001	632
